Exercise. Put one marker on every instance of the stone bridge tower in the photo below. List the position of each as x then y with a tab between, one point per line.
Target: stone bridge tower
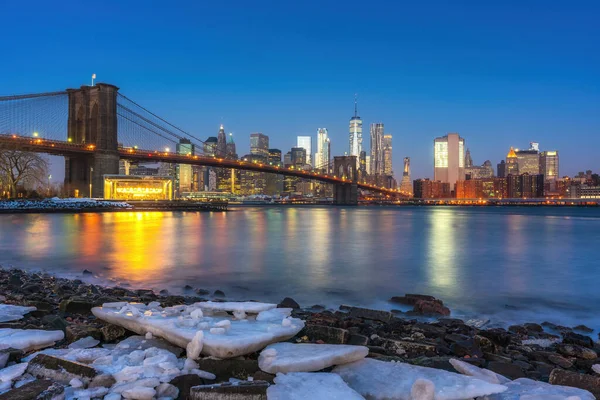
345	193
92	121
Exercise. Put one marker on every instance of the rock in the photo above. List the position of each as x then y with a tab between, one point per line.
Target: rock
55	322
583	328
509	370
411	299
76	332
76	305
187	288
87	272
263	376
219	293
433	362
410	349
497	335
366	313
572	350
560	361
328	334
184	383
42	389
433	307
358	340
30	288
577	339
466	348
201	292
485	344
543	368
164	292
254	390
567	378
230	368
57	369
518	329
288	302
533	327
112	332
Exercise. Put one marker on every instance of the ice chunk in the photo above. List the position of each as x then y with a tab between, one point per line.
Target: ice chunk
91	393
148	335
194	347
249	307
527	389
225	324
596	368
479	373
197	313
313	386
422	389
239	314
28	339
76	383
167	390
84	343
8	312
112	396
393	380
139	393
276	314
217	331
306	357
243	337
4	359
14	371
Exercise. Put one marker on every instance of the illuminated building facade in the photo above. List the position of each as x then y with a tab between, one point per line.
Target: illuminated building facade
405	185
362	165
584	192
230	148
549	165
120	187
275	157
529	161
298	157
449	159
305	142
480	172
501	169
259	144
184	173
387	155
322	156
512	163
428	189
376	132
525	186
355	136
485	188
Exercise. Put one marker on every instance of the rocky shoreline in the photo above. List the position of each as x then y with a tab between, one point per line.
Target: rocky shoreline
542	352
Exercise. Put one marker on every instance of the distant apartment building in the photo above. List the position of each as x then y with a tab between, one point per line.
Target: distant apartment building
482	188
449	159
479	172
259	144
428	189
584	192
525	186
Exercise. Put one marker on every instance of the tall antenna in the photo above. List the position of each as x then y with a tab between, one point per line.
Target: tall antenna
355	105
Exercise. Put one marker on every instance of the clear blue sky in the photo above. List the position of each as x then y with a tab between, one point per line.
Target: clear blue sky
500	73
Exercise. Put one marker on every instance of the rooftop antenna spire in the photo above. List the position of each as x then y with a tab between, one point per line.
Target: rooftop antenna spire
355	105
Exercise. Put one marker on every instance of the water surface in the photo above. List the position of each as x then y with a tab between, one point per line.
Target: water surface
509	264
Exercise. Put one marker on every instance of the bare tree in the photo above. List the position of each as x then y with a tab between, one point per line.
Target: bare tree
20	168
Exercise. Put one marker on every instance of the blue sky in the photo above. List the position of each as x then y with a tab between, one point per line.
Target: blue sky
500	73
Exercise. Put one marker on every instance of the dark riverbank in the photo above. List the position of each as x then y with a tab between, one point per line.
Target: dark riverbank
532	350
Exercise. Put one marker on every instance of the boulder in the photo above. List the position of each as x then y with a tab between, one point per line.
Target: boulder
577	339
60	370
573	350
328	334
288	302
567	378
76	305
229	368
509	370
366	313
560	361
185	382
112	332
41	389
411	299
253	390
431	307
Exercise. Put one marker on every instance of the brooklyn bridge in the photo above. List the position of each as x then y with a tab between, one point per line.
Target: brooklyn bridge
93	127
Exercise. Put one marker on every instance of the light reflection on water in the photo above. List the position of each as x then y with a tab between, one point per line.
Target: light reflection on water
477	260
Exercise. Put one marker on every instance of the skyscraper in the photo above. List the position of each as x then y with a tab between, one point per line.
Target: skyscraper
184	172
221	150
468	159
259	145
363	165
231	150
549	165
387	155
377	149
275	157
406	186
322	156
449	159
298	157
305	142
355	133
512	163
529	161
501	169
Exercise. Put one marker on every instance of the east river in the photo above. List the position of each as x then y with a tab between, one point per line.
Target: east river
505	264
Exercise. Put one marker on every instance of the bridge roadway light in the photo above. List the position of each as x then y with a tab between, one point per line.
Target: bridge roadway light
35	134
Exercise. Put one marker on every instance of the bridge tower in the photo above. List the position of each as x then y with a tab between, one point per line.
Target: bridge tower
92	121
345	193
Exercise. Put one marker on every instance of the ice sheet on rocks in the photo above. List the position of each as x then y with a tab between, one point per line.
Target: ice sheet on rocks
249	307
306	357
596	368
84	343
393	380
479	373
527	389
179	325
314	386
28	339
14	371
8	312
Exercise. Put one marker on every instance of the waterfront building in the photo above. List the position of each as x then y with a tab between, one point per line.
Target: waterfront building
137	169
512	163
119	187
355	136
405	185
525	186
323	155
428	189
275	157
184	172
376	132
387	155
501	166
305	142
482	188
479	172
549	165
253	182
529	161
449	159
259	144
584	192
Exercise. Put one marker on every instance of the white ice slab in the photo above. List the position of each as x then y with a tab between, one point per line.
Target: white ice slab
313	386
527	389
179	325
378	380
28	339
596	368
14	371
8	312
249	307
306	357
84	343
479	373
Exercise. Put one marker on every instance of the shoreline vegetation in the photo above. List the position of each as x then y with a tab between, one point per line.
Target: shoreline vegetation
538	351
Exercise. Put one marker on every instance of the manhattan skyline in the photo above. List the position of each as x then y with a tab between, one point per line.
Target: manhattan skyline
531	75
